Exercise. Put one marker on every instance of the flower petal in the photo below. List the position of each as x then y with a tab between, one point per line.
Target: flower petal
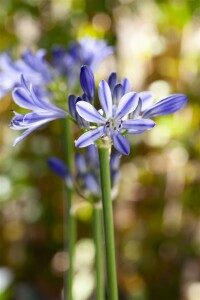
24	134
121	143
126	85
22	98
89	137
89	113
72	105
105	98
138	124
166	106
112	80
92	156
58	167
147	99
118	92
136	113
80	163
126	105
87	81
91	183
115	161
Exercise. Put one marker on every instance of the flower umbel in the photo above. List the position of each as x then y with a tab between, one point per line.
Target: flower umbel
123	112
86	51
113	122
42	111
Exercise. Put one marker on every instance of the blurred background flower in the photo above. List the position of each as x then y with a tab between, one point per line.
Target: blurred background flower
156	213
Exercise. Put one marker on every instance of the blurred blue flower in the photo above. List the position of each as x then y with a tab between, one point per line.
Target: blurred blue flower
42	110
58	167
86	179
33	66
86	51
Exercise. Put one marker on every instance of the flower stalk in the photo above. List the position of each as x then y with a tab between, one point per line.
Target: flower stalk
108	222
97	227
69	217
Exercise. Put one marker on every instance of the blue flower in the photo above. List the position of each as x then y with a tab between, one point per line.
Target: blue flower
123	112
86	179
42	111
113	120
32	66
86	51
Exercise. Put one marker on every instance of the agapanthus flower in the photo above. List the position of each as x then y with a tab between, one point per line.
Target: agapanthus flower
42	111
86	179
113	121
86	51
33	66
123	112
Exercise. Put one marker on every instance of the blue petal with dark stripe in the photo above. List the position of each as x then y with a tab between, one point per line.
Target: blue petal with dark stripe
89	137
121	143
126	105
126	85
118	92
166	106
87	81
105	98
72	105
146	98
138	124
89	113
112	80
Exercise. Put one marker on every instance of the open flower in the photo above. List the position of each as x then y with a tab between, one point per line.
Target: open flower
123	112
113	120
42	111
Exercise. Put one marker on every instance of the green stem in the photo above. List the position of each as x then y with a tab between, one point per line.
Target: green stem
97	227
69	218
108	222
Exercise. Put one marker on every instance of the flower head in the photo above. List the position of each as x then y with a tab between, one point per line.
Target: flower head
41	113
122	112
115	106
86	51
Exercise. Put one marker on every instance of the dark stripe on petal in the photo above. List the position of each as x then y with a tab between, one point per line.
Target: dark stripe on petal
105	98
126	105
121	144
89	137
166	106
140	124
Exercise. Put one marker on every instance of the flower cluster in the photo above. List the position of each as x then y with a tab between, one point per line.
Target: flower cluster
123	112
33	66
87	51
86	180
65	63
30	76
